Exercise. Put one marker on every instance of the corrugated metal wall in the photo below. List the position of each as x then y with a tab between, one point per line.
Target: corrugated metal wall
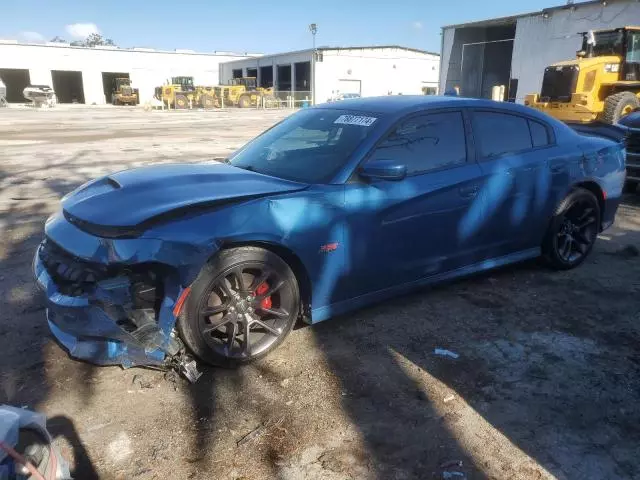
542	41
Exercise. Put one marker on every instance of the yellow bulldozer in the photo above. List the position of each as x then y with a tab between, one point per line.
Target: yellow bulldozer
123	93
244	93
601	84
181	93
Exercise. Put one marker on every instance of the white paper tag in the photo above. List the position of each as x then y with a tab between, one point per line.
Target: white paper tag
355	120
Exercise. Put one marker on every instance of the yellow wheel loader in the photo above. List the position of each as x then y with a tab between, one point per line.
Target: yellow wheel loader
181	93
601	84
243	93
123	93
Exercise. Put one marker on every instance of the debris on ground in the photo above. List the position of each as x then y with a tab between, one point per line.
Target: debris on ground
445	353
141	382
261	430
449	398
453	476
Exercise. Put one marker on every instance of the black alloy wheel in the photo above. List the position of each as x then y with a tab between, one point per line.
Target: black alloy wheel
241	307
573	230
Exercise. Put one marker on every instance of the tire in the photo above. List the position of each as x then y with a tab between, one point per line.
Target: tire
578	208
207	336
630	186
618	105
207	101
181	102
244	102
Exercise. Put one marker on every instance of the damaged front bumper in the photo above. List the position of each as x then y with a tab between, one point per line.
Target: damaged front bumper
111	301
100	323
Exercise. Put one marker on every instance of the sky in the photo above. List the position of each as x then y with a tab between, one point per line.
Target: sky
266	26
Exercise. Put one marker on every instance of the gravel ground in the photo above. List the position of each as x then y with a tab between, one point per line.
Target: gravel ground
546	383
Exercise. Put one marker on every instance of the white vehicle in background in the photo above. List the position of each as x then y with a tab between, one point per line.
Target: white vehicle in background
3	94
40	95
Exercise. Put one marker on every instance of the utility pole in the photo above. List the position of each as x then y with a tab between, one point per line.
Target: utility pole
313	28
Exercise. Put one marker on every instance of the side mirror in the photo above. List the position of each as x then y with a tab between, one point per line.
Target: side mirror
383	170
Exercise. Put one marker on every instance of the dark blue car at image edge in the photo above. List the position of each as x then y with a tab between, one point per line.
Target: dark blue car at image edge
334	208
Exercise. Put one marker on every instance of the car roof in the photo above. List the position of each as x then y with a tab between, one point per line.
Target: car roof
399	104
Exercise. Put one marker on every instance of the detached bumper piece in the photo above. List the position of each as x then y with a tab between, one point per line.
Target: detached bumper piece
108	315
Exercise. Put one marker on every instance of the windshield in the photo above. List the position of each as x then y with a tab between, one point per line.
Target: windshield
309	146
607	43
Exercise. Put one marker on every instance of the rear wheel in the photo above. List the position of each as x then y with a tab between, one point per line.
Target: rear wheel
618	105
573	230
242	306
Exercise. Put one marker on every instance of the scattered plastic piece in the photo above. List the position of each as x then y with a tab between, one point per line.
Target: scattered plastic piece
446	353
448	398
453	475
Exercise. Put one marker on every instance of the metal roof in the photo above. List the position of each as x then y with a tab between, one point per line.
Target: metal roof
513	18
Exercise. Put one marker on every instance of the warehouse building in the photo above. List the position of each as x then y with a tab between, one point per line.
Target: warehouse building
514	51
366	71
86	75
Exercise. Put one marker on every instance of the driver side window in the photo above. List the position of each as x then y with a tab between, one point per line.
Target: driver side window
426	142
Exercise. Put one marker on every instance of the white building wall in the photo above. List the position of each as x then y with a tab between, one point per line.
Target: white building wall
379	71
541	41
147	69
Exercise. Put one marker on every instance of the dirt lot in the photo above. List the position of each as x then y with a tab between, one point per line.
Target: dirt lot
546	384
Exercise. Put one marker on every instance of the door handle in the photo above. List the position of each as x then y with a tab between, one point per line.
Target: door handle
469	191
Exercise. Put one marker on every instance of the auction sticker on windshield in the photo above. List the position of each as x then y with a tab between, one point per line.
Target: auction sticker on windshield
355	120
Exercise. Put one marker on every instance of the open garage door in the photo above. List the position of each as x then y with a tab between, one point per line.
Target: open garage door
485	65
68	86
109	83
15	80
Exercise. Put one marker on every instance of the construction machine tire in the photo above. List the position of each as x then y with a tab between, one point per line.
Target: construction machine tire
181	102
208	101
618	105
244	101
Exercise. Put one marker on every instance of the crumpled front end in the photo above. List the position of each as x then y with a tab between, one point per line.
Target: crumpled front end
112	302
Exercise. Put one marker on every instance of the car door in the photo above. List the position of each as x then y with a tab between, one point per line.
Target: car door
405	230
512	151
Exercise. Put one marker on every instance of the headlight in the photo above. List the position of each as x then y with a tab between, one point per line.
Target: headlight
612	67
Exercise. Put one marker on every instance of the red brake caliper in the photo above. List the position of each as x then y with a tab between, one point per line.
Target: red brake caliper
261	290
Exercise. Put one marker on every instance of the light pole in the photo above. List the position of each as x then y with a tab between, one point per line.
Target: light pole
313	28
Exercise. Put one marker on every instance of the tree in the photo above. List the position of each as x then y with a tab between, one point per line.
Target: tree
93	40
58	39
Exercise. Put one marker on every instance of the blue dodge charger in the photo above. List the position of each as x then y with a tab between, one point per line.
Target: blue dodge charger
334	208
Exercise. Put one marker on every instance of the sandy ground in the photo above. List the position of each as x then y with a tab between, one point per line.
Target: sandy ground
546	384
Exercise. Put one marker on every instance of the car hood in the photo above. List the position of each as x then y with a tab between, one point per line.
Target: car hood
134	197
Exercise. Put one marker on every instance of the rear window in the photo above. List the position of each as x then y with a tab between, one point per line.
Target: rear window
499	133
539	134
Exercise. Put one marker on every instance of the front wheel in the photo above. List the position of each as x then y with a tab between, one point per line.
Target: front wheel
242	306
573	230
